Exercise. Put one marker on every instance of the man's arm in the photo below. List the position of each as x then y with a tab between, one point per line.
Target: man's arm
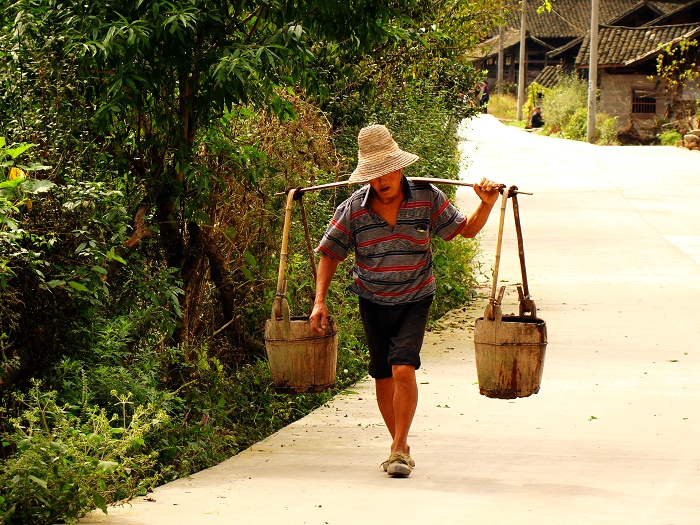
488	193
324	275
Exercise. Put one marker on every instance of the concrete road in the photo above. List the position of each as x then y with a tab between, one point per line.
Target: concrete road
612	243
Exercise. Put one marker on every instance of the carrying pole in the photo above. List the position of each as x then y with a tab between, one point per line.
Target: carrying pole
494	284
281	282
521	249
309	246
427	180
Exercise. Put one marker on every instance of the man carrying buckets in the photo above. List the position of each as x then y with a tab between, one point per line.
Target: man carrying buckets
389	223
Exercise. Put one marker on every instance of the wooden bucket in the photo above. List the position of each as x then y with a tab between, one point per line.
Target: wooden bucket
300	359
509	353
509	350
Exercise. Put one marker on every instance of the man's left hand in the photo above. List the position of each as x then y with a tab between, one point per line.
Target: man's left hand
487	190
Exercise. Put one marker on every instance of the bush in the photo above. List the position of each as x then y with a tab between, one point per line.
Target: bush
70	459
577	125
606	129
669	137
562	102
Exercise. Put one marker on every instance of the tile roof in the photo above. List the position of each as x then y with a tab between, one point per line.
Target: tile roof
673	8
572	18
549	76
623	46
511	37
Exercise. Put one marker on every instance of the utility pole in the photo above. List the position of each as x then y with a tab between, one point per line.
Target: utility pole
499	81
522	67
592	73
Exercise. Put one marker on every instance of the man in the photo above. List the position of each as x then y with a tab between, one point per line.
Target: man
389	223
537	121
484	96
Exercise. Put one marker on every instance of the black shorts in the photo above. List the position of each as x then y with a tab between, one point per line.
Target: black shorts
394	334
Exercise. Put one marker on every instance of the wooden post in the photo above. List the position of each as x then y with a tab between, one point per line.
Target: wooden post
522	66
592	73
499	80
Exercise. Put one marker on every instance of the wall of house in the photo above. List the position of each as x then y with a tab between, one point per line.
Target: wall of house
616	92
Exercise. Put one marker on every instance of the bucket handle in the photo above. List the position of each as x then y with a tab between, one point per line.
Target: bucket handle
280	306
527	306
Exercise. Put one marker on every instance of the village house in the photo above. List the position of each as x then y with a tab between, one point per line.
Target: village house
631	35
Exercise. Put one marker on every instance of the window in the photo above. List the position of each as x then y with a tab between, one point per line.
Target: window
643	101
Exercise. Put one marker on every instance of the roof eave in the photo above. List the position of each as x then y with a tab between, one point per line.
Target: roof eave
656	51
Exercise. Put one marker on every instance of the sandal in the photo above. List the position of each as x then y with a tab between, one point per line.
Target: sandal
399	465
385	463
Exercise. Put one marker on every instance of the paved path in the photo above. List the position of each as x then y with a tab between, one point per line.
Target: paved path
612	241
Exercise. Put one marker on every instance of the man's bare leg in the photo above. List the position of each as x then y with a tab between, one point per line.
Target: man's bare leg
397	398
405	403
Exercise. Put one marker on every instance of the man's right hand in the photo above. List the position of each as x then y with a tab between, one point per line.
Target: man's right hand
319	317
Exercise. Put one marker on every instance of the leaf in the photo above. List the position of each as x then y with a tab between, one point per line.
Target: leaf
202	217
56	282
250	259
99	269
38	481
35	166
111	256
37	186
99	501
77	286
16	152
108	467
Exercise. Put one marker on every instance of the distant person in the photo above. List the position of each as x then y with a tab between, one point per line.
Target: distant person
484	97
389	223
537	121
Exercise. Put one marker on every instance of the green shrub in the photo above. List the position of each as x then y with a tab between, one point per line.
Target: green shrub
576	128
455	274
606	129
69	459
669	137
563	101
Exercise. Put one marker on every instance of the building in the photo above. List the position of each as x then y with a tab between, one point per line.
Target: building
631	35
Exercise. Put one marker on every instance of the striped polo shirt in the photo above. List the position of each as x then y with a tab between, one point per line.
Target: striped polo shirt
392	265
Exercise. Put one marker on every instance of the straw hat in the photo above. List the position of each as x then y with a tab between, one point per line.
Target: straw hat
378	154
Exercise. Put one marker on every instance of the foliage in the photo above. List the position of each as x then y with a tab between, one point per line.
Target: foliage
605	127
533	94
74	274
432	61
680	62
142	264
679	66
72	458
561	102
503	107
670	137
565	110
156	76
455	274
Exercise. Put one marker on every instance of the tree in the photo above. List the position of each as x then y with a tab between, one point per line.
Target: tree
155	75
679	66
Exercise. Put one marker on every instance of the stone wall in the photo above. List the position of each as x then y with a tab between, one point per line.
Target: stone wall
691	140
616	97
